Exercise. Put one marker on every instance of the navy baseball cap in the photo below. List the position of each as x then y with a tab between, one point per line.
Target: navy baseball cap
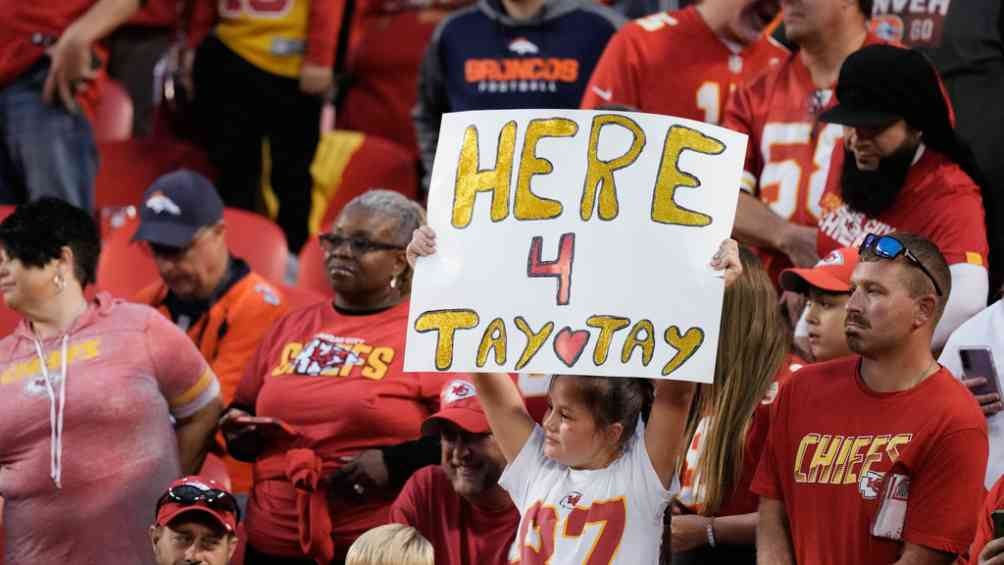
175	207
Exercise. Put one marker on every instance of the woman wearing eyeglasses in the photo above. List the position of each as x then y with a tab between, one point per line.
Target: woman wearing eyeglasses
325	399
88	389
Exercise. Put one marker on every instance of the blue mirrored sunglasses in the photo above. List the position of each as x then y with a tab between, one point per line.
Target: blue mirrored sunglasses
888	247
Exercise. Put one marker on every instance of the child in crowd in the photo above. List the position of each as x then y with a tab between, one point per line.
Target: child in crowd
391	544
594	460
827	288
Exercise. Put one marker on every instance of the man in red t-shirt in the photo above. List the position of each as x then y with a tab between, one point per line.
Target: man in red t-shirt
459	505
876	458
788	155
906	170
47	58
685	63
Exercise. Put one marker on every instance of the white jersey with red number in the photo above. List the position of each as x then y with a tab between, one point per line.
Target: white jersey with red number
585	517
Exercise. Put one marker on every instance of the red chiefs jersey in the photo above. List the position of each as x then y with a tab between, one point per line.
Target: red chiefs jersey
861	472
938	201
388	43
789	150
23	19
672	63
339	380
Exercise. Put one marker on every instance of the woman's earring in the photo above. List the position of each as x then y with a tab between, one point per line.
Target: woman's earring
393	281
59	282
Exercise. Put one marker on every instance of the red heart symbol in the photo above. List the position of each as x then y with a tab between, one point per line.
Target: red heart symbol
568	344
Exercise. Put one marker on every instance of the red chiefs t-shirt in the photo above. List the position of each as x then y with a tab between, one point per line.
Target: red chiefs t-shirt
789	150
742	500
672	63
938	201
24	18
339	380
861	472
461	533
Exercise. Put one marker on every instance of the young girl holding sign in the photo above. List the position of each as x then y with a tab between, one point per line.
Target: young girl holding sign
591	484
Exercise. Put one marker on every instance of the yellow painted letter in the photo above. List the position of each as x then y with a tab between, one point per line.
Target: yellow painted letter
608	325
445	323
665	210
686	345
494	338
529	206
534	340
601	172
647	344
471	179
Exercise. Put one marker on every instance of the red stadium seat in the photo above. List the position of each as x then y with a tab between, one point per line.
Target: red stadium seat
127	168
258	241
124	267
114	113
313	274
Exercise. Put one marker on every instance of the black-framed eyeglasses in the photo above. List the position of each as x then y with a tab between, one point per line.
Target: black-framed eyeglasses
190	494
357	244
888	247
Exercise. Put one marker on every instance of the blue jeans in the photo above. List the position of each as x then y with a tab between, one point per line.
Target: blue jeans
46	151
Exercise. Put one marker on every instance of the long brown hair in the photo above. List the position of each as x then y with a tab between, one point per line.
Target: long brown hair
752	346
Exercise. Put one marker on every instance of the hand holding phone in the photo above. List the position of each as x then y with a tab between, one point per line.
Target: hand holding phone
271	429
981	377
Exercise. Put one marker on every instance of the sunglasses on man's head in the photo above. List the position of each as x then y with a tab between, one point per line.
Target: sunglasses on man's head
888	247
189	495
357	244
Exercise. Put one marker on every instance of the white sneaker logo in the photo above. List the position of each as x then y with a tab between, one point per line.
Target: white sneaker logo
607	95
523	46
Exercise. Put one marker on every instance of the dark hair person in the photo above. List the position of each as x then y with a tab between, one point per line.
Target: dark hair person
343	411
87	392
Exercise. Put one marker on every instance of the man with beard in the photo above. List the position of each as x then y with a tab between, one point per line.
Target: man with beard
876	458
788	155
906	170
459	505
685	62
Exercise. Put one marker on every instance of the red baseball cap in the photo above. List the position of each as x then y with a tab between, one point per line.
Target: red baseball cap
832	273
459	405
174	502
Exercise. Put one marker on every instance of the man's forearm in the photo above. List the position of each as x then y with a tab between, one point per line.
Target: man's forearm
103	17
739	529
773	542
756	224
194	435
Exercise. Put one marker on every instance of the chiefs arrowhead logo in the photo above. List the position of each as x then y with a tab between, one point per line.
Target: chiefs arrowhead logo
571	500
160	204
323	355
834	258
870	485
457	390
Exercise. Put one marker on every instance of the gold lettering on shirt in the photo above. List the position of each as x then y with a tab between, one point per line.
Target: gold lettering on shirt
77	352
841	460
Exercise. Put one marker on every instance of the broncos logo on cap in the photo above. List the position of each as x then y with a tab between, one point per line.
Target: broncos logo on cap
458	390
160	204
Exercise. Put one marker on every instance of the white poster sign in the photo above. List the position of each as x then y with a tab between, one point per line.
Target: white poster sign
575	242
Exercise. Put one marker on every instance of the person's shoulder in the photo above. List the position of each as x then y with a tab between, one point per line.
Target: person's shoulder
458	20
255	291
938	169
151	294
657	31
955	402
836	372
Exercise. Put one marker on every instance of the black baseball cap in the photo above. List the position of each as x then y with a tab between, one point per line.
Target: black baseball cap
176	206
881	83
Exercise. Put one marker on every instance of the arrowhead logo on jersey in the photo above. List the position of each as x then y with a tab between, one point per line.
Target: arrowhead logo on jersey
160	204
571	500
523	46
870	485
323	353
458	390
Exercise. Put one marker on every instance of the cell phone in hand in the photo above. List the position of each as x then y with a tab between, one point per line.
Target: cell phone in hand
979	362
268	426
998	518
